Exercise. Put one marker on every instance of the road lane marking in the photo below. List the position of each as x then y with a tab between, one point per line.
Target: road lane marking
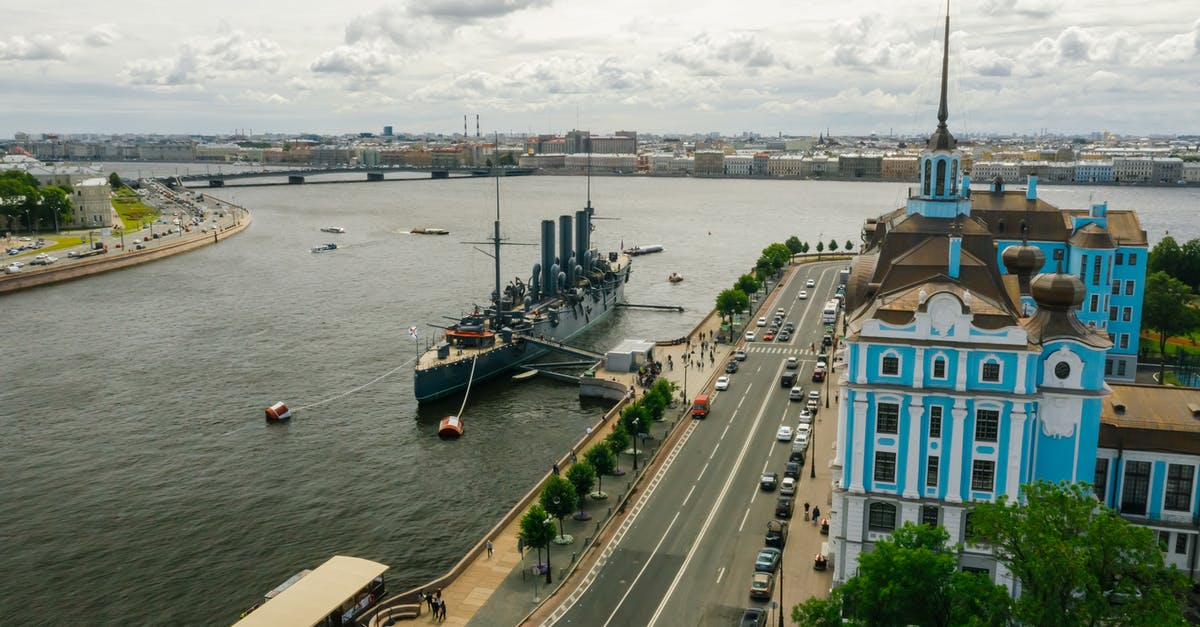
702	472
746	515
643	570
689	494
726	430
707	521
720	574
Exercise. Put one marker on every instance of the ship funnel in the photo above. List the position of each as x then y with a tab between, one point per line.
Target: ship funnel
547	290
564	243
581	235
535	283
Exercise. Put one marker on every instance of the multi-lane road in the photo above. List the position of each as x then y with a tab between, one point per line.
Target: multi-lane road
685	554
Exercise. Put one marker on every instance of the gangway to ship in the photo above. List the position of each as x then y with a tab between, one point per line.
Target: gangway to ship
559	346
660	307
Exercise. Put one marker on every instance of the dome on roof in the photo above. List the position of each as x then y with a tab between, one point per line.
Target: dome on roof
1023	259
1052	289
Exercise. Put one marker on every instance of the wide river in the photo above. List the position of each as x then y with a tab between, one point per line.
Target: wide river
138	481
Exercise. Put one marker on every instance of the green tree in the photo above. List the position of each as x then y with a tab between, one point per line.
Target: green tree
779	255
833	245
558	499
618	438
115	182
794	245
536	532
1166	256
732	301
663	389
508	159
55	206
654	405
1079	563
1165	310
18	195
1189	271
747	284
603	460
849	246
763	269
820	249
582	476
818	612
805	248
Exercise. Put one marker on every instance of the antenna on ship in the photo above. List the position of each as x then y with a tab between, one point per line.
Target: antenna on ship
496	235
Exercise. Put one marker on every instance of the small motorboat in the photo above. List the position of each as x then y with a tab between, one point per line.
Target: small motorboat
278	412
450	427
326	248
643	250
332	229
429	231
675	277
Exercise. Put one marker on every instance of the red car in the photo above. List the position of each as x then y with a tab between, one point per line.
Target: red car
768	336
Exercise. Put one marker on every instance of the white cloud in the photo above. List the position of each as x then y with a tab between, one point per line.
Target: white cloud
200	61
100	36
32	48
470	10
259	97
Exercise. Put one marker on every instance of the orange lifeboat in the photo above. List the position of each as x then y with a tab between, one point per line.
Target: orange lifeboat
451	427
278	412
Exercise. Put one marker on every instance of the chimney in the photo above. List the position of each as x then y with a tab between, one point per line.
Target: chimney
1031	191
955	253
1100	210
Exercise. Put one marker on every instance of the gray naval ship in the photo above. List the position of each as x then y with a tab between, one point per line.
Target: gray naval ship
566	294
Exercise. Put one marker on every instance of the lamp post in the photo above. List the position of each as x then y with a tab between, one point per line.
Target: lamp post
781	606
636	433
549	521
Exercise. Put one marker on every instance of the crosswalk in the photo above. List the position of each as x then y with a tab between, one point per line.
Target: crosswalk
779	350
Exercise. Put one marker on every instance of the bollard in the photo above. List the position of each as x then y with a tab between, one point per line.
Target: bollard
572	557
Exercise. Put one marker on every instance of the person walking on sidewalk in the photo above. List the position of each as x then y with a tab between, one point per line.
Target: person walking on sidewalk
816	514
489	548
806	506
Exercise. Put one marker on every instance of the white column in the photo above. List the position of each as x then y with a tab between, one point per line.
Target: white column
1015	440
1022	360
919	368
960	378
912	477
859	467
956	448
910	511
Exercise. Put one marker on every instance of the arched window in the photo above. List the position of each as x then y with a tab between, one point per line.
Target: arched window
882	517
941	177
939	367
954	177
925	176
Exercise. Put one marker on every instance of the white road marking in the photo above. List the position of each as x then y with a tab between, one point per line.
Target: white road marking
643	570
745	516
720	574
689	494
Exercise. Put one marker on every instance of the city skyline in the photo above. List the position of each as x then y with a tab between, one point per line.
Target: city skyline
546	66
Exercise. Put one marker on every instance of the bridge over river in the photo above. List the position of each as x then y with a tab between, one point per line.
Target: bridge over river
369	175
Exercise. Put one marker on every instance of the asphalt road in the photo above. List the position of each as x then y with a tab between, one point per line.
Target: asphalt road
688	556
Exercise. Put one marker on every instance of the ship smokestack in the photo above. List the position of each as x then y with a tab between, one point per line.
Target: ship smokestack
564	247
581	238
549	281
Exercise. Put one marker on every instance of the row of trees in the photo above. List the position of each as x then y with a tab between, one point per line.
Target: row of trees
1181	262
22	199
1077	564
562	495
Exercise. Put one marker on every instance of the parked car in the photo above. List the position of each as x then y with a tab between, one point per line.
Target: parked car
777	532
792	363
783	507
814	395
806	417
732	366
784	434
769	481
722	383
739	355
827	340
753	617
818	375
787	486
792	470
762	586
796	394
767	560
812	406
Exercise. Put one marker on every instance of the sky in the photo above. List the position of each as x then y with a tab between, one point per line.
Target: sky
795	67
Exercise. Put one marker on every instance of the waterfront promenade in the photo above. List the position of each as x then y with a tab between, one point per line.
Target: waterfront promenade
501	589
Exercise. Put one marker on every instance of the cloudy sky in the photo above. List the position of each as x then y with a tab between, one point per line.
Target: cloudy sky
767	66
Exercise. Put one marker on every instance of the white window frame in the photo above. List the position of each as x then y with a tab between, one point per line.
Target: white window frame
988	359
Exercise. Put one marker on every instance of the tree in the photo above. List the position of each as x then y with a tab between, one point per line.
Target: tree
664	389
793	244
779	255
1190	265
603	460
1165	310
747	284
733	301
115	182
820	249
1166	256
55	205
833	245
558	499
1079	563
805	248
18	195
535	531
849	246
582	476
618	438
818	612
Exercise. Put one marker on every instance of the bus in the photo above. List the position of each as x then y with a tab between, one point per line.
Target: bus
330	595
829	314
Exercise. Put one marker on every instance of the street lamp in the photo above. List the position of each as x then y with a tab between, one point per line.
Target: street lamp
549	521
781	606
635	439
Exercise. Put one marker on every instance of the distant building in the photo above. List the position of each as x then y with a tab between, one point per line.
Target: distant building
92	203
739	165
710	163
860	166
387	131
1093	172
898	168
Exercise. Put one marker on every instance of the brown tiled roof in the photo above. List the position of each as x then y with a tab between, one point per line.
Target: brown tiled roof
899	306
1091	235
1152	418
1124	226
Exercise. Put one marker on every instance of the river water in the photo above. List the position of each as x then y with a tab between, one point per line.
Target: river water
139	481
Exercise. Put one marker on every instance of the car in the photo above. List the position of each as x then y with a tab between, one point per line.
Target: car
814	395
800	444
762	322
739	355
791	470
732	366
818	375
753	617
784	434
823	360
749	336
768	336
777	533
784	507
780	312
788	379
767	560
796	394
810	283
12	268
784	335
790	327
762	586
768	481
806	417
787	486
827	340
803	430
812	406
13	251
722	383
792	363
803	295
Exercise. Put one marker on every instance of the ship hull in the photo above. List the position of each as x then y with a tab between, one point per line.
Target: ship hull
452	377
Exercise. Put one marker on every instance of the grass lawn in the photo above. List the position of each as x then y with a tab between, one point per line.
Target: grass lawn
1150	346
131	209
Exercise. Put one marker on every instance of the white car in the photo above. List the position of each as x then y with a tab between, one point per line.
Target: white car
806	417
722	383
762	322
796	394
814	395
803	295
787	487
739	355
781	313
792	363
749	336
810	283
784	434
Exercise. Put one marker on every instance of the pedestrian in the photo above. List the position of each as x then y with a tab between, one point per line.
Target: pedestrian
572	456
555	467
489	548
421	600
443	609
431	601
816	514
806	506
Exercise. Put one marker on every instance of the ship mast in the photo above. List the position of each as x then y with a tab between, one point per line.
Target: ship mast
496	232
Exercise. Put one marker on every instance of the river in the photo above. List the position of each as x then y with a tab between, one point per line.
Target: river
140	482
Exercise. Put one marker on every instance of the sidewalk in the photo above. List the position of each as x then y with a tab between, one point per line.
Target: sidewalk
502	589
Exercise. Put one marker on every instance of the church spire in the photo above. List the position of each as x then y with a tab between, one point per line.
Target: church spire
942	139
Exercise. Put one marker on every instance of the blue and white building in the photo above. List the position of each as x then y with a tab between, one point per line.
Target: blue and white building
979	333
